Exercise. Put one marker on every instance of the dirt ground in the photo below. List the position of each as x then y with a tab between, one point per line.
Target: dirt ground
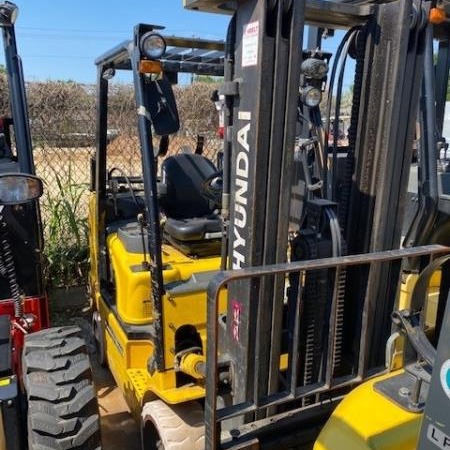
119	430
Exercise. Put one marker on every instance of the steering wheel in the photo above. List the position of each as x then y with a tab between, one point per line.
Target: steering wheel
127	180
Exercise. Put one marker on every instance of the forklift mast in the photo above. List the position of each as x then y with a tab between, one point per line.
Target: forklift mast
389	40
267	51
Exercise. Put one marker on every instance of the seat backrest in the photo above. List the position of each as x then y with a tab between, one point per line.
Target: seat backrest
183	175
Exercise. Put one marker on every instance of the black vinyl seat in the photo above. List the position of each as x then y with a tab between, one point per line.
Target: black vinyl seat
193	229
191	224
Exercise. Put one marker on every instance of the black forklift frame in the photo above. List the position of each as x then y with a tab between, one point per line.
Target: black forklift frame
183	55
23	161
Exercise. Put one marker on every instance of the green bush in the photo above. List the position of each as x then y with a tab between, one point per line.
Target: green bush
66	233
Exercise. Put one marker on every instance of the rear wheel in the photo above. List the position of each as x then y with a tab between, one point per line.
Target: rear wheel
173	427
62	402
99	339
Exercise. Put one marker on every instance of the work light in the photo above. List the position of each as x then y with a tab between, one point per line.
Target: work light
311	96
153	45
8	13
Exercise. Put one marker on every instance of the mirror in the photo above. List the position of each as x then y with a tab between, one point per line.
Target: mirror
18	188
162	107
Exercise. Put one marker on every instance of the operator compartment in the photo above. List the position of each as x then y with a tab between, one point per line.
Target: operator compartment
191	234
193	225
124	198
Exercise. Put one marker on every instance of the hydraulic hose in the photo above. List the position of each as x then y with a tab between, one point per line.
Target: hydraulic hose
342	51
338	110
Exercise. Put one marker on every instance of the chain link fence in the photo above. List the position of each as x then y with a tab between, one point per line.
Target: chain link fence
63	121
63	127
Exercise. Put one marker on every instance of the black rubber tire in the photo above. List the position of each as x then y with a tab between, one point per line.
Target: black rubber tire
61	397
98	332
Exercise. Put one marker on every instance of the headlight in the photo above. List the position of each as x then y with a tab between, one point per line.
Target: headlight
311	96
8	13
16	188
153	45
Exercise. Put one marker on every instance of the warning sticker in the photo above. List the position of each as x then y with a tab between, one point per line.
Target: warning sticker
250	44
236	320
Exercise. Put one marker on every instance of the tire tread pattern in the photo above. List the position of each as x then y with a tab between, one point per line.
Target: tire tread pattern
62	403
180	427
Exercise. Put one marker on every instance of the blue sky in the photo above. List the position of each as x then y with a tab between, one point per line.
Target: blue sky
59	40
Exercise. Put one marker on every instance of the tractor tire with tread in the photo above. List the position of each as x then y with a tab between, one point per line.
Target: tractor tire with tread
61	397
173	427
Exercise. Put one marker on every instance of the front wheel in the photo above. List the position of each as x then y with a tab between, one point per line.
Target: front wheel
61	397
172	427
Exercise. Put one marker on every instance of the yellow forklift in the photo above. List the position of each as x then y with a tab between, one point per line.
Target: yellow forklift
155	237
300	338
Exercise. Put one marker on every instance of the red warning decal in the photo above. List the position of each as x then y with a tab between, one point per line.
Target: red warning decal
236	321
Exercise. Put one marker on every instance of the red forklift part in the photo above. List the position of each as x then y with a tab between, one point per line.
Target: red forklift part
36	308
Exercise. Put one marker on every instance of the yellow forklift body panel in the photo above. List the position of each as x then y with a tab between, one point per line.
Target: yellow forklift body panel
365	420
406	289
127	357
133	283
127	360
